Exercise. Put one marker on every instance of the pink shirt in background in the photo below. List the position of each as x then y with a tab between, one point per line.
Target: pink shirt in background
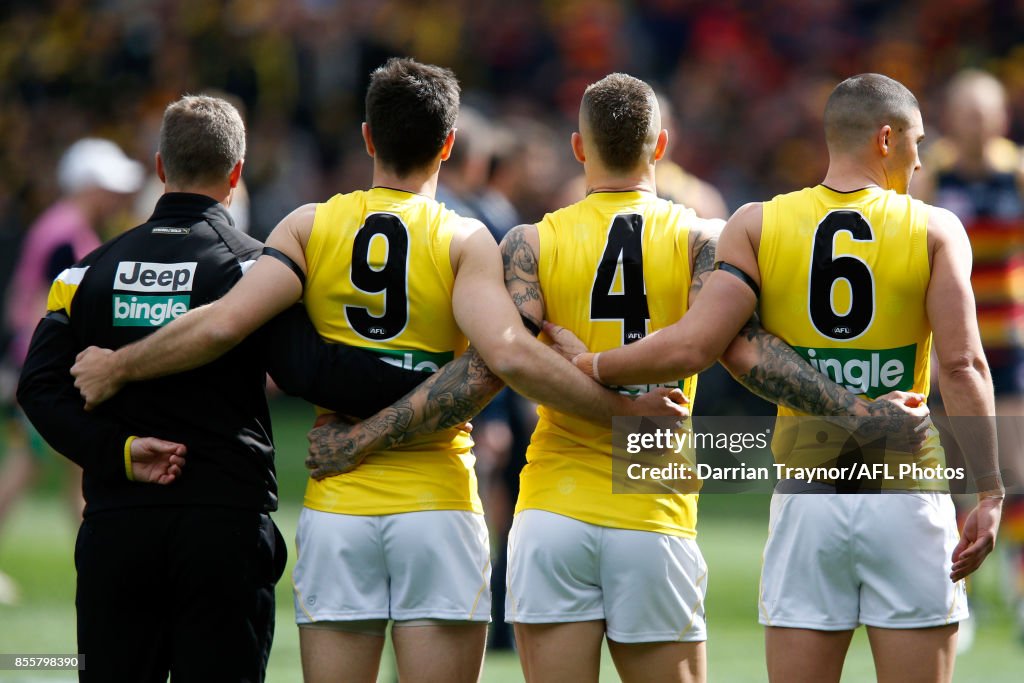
62	225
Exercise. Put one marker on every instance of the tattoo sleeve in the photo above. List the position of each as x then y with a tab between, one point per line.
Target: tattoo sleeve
455	394
521	275
704	246
783	377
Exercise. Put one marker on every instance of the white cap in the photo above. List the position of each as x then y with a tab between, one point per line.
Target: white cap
94	162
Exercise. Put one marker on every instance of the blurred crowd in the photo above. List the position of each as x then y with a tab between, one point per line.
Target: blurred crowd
747	80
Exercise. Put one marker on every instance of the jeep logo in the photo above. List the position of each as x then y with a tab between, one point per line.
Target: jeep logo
137	276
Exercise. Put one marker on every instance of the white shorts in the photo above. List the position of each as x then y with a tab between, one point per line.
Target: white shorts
833	561
417	565
648	587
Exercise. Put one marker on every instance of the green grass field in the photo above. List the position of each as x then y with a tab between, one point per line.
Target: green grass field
36	550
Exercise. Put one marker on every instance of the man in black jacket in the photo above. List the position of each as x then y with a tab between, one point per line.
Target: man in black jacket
178	577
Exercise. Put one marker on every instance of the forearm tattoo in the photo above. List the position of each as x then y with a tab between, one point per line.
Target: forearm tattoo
783	377
451	397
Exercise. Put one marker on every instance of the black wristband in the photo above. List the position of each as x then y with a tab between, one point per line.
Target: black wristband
743	277
286	260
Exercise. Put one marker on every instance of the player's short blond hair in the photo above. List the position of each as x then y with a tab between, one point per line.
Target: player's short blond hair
620	114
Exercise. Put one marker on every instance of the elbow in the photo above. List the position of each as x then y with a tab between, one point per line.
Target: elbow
965	367
739	358
222	334
691	359
511	360
509	363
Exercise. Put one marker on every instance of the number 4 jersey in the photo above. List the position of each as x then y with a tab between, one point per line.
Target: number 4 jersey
844	278
379	276
612	268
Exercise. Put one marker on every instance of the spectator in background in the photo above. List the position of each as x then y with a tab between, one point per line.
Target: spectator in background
505	182
96	180
978	174
464	175
676	184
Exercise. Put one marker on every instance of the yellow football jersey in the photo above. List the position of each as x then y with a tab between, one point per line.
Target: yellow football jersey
844	277
612	268
379	276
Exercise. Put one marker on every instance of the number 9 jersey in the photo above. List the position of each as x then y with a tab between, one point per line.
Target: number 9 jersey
844	280
379	276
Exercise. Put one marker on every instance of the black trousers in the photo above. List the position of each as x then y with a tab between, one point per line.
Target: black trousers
185	591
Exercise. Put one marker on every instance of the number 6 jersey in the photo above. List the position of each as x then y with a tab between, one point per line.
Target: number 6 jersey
379	276
844	280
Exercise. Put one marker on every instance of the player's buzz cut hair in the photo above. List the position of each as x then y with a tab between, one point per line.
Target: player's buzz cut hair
410	109
201	140
619	112
862	104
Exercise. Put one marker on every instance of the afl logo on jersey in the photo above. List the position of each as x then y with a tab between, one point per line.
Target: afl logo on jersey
841	331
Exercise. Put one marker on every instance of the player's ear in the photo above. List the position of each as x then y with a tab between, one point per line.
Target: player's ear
449	142
160	169
577	148
883	139
236	174
368	140
661	145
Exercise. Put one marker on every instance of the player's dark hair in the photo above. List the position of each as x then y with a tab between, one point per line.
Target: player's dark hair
862	104
619	110
410	109
201	140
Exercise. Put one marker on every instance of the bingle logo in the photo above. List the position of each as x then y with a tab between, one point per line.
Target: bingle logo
149	311
138	276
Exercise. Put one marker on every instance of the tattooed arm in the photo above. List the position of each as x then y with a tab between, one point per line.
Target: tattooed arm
702	247
771	369
522	279
454	394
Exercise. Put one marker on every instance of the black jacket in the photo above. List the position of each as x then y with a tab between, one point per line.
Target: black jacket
186	255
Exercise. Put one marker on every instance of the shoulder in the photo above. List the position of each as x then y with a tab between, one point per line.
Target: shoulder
520	250
525	235
946	233
942	219
748	215
465	227
299	223
943	224
306	213
470	237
